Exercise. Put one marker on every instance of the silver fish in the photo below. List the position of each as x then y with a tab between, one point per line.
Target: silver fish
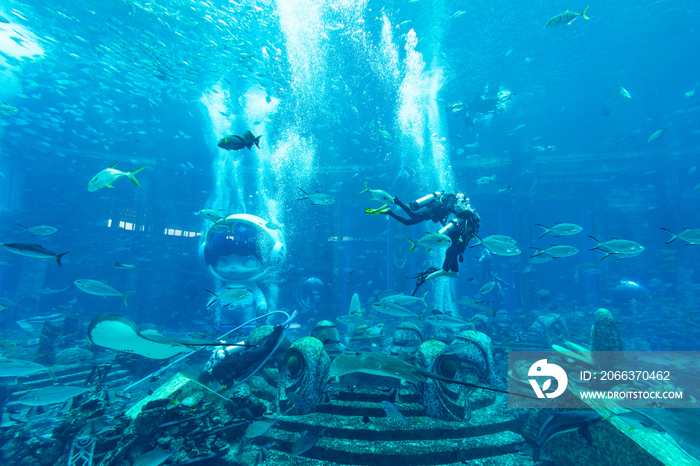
430	241
99	288
230	296
20	368
306	442
42	230
52	395
258	428
392	412
317	198
378	195
106	177
33	250
560	229
689	235
557	251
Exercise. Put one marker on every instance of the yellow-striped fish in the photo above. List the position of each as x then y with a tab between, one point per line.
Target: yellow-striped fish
567	17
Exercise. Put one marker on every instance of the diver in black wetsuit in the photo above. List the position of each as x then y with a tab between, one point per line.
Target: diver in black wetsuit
436	206
460	230
229	365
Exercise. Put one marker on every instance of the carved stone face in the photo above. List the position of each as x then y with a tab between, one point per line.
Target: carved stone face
407	339
468	359
550	328
304	371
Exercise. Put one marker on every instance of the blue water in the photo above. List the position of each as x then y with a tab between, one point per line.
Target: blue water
138	84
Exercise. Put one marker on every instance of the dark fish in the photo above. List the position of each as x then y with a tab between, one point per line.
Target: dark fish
365	419
33	250
305	443
234	142
250	140
568	421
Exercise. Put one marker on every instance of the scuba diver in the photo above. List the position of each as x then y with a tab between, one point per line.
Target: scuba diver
481	107
233	365
436	206
460	230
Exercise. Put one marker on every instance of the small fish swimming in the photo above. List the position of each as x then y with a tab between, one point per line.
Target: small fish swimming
48	290
210	214
106	177
20	368
317	198
689	235
560	229
7	109
52	395
405	300
438	319
430	241
99	288
33	250
306	442
259	428
350	320
623	247
557	251
379	195
234	142
42	230
658	133
487	287
485	180
499	245
392	309
372	332
625	93
117	265
567	17
392	412
230	296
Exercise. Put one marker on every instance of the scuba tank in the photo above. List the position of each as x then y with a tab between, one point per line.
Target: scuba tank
425	201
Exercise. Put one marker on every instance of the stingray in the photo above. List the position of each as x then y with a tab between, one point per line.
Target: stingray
681	424
389	366
120	333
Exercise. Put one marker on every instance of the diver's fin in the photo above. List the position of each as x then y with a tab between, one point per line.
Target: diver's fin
381	210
